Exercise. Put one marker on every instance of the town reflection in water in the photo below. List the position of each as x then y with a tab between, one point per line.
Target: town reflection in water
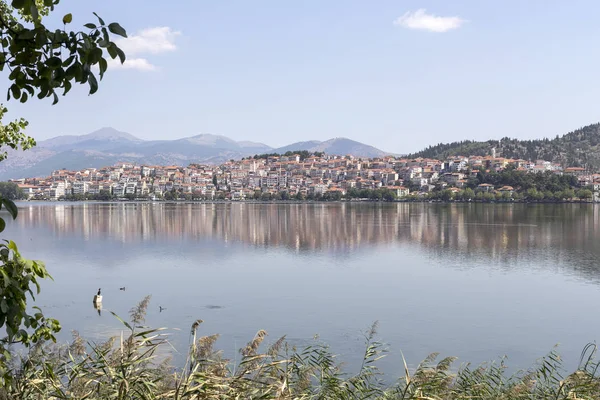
568	233
429	264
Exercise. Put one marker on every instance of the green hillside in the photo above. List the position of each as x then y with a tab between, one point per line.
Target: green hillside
580	148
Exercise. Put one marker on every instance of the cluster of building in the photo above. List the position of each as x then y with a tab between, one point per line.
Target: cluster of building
247	178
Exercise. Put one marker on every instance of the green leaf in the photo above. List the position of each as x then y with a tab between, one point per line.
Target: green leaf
54	62
5	277
10	207
16	92
117	29
93	83
90	26
67	18
24	97
121	55
99	19
41	37
18	4
112	50
103	64
122	321
67	87
55	98
2	224
95	55
27	34
34	12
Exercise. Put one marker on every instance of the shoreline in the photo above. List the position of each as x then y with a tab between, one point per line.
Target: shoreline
308	201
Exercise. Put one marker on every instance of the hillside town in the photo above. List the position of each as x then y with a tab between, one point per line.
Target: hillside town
293	175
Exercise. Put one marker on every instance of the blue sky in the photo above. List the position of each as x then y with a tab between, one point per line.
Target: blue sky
399	75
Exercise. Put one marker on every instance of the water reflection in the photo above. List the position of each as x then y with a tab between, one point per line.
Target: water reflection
97	307
500	232
472	280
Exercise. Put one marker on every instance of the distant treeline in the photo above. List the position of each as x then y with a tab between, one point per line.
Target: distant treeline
103	195
304	154
522	181
11	191
579	148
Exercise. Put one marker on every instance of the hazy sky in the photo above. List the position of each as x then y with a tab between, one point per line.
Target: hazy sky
399	75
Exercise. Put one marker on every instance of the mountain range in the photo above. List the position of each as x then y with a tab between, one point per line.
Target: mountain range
108	146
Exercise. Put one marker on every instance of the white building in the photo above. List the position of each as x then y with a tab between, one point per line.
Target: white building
58	189
80	187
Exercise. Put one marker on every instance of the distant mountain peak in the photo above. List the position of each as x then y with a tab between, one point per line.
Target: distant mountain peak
207	139
110	133
106	134
339	146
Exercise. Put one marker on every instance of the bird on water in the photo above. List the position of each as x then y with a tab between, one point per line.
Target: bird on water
98	297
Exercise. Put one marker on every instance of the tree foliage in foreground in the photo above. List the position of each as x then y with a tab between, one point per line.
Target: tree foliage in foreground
44	62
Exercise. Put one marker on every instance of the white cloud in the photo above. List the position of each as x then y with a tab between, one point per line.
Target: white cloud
152	40
147	41
421	20
141	64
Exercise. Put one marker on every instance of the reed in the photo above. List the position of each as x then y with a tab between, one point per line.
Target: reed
130	367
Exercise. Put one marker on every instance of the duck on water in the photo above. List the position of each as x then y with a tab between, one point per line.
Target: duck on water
98	297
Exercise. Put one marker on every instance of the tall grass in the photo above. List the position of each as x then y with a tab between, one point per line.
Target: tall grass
130	366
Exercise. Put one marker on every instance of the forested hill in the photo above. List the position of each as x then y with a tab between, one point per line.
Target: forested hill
580	148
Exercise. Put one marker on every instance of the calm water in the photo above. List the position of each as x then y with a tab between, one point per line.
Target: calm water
477	281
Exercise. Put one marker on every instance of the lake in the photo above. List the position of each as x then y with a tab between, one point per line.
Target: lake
477	281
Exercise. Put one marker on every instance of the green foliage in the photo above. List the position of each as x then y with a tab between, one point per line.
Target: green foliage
384	194
132	366
579	148
283	195
170	195
447	195
521	180
534	194
11	191
40	61
468	194
12	135
304	154
332	195
442	151
266	196
18	277
44	60
584	194
103	195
